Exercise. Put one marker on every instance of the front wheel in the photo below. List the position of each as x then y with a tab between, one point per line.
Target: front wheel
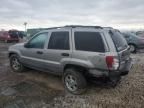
74	81
15	64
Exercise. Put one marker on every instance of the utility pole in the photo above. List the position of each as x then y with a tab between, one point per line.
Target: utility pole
25	24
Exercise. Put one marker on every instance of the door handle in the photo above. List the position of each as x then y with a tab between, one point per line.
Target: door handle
65	54
39	52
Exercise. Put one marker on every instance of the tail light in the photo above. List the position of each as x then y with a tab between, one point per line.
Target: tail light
112	62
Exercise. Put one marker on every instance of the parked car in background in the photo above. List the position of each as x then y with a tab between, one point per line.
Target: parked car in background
135	42
140	34
11	35
77	53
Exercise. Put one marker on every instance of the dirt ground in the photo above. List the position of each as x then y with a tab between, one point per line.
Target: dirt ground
34	89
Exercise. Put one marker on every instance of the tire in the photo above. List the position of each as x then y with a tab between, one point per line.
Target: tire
132	48
78	84
15	64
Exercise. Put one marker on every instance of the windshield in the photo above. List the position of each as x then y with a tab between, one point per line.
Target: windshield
119	40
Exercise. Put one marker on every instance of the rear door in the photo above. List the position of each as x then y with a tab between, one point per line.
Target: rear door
58	50
89	47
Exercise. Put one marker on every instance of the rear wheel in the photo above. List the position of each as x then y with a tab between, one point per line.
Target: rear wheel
15	64
74	81
132	48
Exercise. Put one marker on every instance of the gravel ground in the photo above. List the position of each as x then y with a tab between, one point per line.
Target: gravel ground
34	89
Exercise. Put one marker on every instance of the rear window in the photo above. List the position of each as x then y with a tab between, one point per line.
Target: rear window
119	40
89	41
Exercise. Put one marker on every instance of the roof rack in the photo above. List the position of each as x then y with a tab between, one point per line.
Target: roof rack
53	28
74	26
108	27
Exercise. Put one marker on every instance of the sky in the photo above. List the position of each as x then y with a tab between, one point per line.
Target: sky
120	14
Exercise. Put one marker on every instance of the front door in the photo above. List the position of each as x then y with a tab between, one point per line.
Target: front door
32	55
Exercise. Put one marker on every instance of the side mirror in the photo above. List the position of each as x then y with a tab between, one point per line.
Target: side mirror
26	45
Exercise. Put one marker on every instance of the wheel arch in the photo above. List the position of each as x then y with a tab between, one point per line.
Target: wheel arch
132	44
77	67
12	53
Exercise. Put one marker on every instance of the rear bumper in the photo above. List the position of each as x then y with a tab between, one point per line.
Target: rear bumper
126	67
123	70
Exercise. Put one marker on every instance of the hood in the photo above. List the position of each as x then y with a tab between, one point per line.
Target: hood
16	46
19	44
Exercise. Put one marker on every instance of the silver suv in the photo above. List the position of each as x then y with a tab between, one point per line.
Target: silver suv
77	53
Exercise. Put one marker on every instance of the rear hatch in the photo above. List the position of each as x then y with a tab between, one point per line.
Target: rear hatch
121	46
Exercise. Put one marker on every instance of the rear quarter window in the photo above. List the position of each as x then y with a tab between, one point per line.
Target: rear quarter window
89	41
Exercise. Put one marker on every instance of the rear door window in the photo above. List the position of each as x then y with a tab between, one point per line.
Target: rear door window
59	41
89	41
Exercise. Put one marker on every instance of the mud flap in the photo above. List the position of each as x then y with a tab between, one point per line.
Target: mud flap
114	78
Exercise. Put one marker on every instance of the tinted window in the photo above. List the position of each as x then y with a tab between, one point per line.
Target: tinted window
89	41
13	34
22	34
119	40
38	41
59	40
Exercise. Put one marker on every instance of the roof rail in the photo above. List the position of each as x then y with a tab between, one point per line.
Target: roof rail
53	28
74	26
108	27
